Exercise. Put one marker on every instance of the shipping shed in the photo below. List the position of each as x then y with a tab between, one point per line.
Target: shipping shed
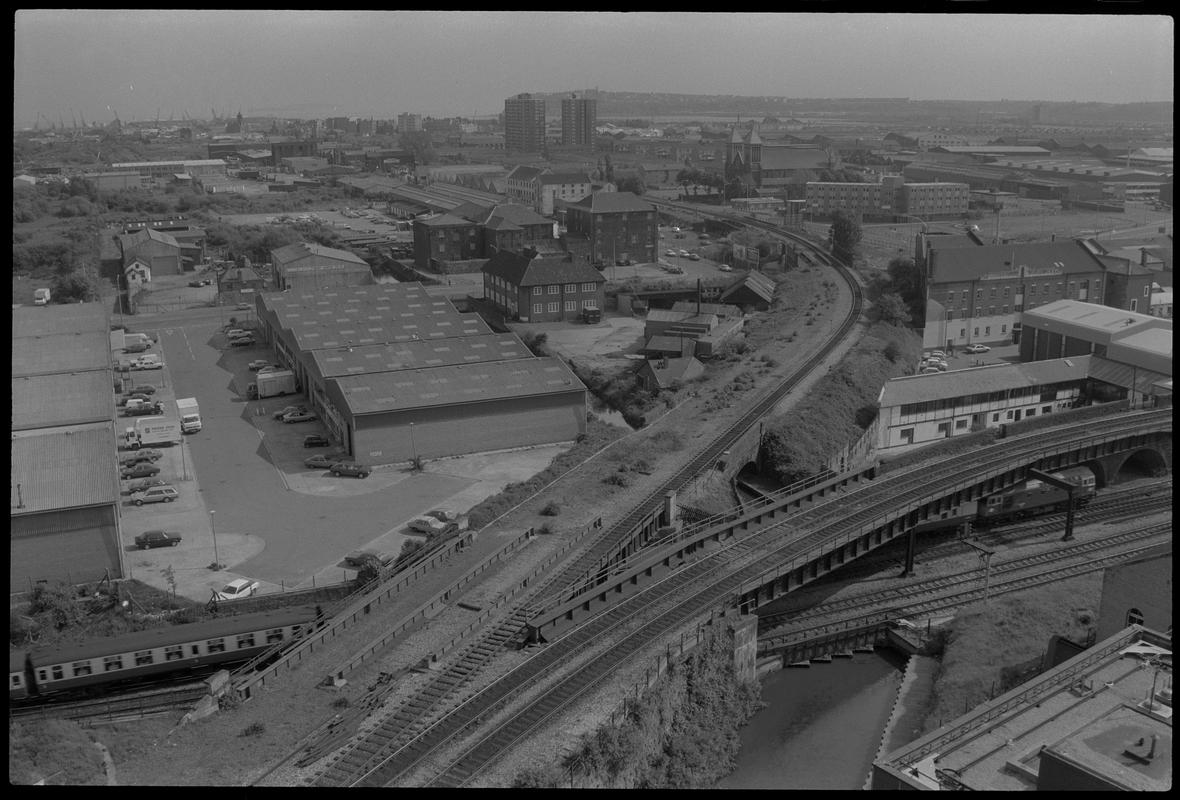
64	515
468	408
69	398
753	290
61	352
59	318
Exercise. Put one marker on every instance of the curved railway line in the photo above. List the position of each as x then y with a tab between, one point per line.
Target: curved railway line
668	605
414	716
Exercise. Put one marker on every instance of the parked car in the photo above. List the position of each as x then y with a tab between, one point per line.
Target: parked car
693	257
676	270
143	484
299	416
684	254
150	539
143	388
427	525
443	514
236	589
140	457
725	268
282	412
977	348
323	460
243	341
139	471
258	364
930	371
670	253
136	347
341	468
233	333
244	306
937	354
195	284
135	399
144	410
358	558
316	440
157	494
147	362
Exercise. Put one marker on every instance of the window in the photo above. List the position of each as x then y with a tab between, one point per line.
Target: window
57	672
1004	309
1147	291
571	287
944	428
245	640
979	294
143	658
976	332
962	333
1046	409
987	331
81	668
215	646
571	305
1045	289
991	311
588	304
1008	415
964	295
1005	291
960	424
111	663
907	435
993	293
173	652
537	290
1134	617
274	635
538	308
555	289
1032	412
1004	328
554	308
1134	304
587	287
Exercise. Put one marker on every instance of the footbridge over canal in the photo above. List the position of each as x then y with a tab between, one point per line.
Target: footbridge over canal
803	534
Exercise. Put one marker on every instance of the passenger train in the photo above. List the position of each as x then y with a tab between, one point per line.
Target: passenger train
100	664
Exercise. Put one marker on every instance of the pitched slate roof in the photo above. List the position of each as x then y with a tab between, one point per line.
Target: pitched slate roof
300	251
613	203
754	281
520	270
793	158
982	380
524	173
971	263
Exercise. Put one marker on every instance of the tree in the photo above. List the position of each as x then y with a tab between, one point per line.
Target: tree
844	237
907	280
608	169
891	308
633	184
419	145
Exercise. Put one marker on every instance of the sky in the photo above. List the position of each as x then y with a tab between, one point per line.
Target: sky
141	64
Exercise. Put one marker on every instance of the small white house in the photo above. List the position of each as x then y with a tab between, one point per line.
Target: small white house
137	274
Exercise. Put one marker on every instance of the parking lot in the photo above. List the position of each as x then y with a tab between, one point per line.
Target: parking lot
245	494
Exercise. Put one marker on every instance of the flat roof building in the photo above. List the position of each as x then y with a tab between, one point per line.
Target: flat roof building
1099	721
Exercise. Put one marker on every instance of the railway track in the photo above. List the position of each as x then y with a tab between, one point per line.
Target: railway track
1143	500
951	591
706	582
417	714
116	708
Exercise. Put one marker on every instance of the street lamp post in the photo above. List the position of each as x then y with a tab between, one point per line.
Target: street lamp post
213	525
413	447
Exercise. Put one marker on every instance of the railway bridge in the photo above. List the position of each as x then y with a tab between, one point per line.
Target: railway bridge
804	534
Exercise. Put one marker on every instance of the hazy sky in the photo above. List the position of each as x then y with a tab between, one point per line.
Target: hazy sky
140	63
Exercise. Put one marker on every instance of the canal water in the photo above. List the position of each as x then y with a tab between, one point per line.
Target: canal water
821	727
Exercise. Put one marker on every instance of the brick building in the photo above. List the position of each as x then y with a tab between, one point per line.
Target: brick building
578	116
524	124
615	225
535	288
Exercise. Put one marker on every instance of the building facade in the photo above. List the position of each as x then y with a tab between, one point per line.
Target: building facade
578	117
541	289
616	226
306	266
524	124
409	123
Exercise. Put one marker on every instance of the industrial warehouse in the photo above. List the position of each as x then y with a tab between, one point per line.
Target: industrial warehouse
397	374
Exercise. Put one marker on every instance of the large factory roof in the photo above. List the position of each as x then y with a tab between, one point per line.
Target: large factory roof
377	328
46	401
1102	323
63	468
981	380
454	385
62	352
64	318
1083	723
418	355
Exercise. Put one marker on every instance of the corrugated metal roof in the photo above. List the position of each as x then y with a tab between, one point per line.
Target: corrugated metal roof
463	383
46	401
419	355
65	318
1095	317
301	251
63	469
1119	374
64	352
979	380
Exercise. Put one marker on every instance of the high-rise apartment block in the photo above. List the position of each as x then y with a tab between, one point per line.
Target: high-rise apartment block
409	123
578	116
524	124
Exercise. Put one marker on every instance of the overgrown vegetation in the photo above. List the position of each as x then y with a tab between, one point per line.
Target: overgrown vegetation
991	648
841	406
619	389
899	294
598	435
680	734
57	751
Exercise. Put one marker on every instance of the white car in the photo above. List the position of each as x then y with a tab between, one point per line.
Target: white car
977	348
236	589
725	268
426	525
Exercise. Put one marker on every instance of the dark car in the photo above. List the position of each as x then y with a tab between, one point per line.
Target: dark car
144	484
136	347
149	539
348	468
243	341
139	471
141	457
316	440
143	388
146	410
195	284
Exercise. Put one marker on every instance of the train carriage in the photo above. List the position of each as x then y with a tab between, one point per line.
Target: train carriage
1035	496
176	648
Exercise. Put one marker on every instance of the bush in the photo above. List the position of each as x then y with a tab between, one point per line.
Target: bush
616	479
253	729
551	509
